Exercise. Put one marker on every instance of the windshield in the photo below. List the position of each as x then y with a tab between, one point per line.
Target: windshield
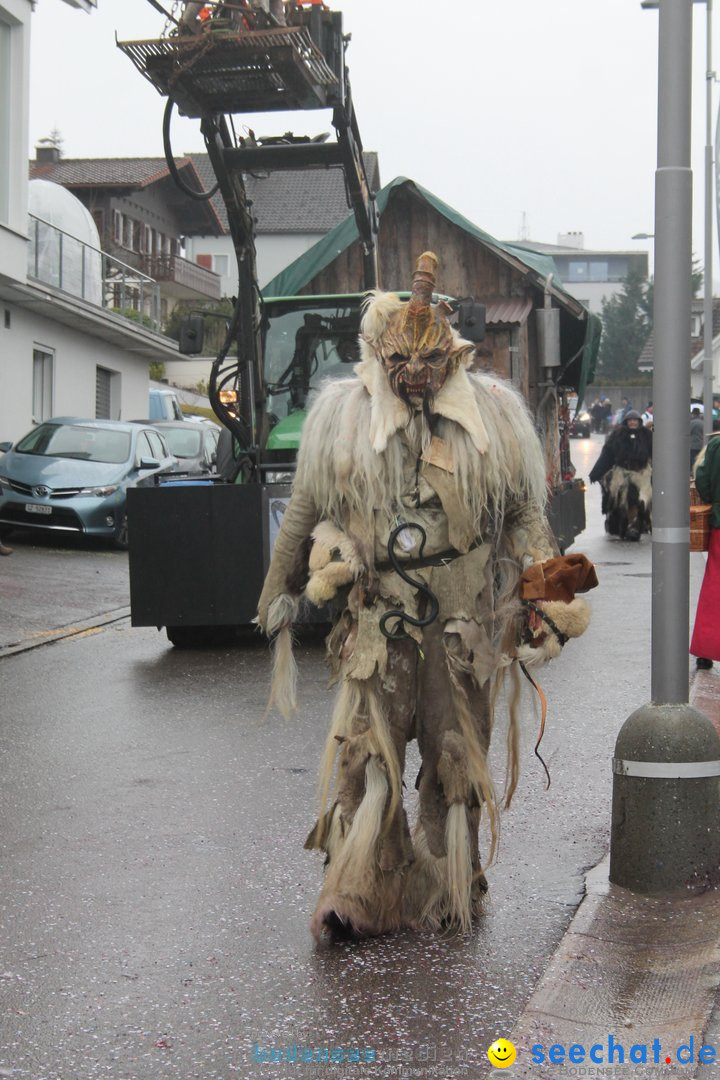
305	346
183	443
76	441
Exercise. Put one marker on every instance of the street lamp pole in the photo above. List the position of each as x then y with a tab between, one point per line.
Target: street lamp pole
667	754
707	275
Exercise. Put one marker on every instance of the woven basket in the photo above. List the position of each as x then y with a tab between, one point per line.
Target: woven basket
700	526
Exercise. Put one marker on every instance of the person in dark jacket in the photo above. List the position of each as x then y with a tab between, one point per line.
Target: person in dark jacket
697	435
624	470
705	643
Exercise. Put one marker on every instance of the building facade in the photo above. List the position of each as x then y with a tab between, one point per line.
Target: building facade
63	350
591	275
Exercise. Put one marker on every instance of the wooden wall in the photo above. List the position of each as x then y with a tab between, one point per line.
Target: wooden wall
408	227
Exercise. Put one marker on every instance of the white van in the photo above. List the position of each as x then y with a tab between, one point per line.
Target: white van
164	405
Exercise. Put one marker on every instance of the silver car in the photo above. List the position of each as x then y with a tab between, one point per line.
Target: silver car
72	475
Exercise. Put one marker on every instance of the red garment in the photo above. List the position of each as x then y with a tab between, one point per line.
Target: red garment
706	632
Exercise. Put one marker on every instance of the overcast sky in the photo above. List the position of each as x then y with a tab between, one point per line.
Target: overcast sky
522	114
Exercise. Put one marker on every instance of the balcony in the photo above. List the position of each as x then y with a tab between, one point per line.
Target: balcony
70	265
181	278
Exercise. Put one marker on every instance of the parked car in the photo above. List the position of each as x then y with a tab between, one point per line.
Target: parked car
581	425
193	444
72	475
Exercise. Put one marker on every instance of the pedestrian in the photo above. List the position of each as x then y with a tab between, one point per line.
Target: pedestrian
418	508
606	414
624	470
625	408
596	412
697	435
705	642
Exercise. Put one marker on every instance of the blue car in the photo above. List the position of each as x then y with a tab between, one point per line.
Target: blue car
72	475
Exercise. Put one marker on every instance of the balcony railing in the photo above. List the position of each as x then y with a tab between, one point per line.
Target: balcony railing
188	277
56	258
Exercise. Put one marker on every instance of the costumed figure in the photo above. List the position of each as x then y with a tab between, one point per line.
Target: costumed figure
624	470
418	507
705	643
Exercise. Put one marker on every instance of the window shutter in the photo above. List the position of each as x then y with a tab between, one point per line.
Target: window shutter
102	394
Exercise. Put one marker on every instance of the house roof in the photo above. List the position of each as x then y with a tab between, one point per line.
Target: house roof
134	174
566	249
297	201
540	268
309	200
103	172
646	360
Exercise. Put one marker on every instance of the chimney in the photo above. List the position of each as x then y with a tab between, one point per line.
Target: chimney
47	152
572	240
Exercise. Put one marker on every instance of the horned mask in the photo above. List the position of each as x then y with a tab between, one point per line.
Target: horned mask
414	341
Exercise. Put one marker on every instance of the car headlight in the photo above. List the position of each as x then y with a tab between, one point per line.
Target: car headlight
99	492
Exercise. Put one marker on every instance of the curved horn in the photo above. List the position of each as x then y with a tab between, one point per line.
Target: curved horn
423	282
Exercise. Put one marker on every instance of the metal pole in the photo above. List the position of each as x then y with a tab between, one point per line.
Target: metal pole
667	754
707	275
671	375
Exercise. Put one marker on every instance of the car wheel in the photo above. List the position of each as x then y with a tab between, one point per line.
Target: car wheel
187	637
197	637
5	533
121	537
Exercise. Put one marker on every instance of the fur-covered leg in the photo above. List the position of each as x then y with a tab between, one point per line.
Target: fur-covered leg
445	888
358	898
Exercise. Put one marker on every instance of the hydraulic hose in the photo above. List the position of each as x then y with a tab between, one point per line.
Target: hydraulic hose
174	171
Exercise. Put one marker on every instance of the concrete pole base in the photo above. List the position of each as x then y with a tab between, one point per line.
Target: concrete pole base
665	836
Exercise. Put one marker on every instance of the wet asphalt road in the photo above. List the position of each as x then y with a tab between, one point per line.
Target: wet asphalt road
155	894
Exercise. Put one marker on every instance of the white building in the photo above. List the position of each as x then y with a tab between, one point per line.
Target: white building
590	275
62	351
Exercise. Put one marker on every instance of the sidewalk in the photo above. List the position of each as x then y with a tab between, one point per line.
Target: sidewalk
632	969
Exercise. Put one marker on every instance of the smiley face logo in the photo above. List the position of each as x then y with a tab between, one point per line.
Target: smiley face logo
501	1054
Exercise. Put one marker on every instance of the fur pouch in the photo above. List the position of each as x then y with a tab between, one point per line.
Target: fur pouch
333	562
571	620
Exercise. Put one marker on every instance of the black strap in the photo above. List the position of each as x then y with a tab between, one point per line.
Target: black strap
562	638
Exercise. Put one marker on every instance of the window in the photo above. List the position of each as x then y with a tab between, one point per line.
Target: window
598	271
103	384
204	260
117	226
6	105
220	264
577	271
143	450
42	385
158	450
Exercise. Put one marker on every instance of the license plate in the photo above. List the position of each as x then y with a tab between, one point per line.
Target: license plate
38	508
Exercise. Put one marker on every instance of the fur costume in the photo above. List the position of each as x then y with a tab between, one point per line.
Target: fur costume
624	470
413	440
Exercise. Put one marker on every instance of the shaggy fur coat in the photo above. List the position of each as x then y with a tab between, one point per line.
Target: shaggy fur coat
470	471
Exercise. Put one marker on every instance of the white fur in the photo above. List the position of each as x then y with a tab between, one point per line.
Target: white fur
343	472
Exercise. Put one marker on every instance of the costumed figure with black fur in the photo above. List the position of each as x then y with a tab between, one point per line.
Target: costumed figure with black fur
624	470
418	508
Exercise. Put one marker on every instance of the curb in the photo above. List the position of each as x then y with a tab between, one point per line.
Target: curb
642	970
47	637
